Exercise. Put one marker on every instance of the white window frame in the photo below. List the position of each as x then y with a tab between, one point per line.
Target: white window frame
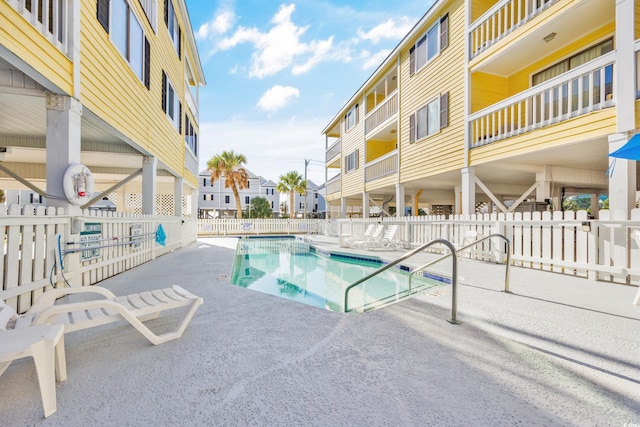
173	105
131	13
351	162
173	26
351	118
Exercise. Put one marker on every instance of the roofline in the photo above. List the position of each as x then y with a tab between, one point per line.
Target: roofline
396	51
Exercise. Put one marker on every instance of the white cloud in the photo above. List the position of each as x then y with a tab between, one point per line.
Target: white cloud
272	147
371	61
280	47
390	29
277	97
222	21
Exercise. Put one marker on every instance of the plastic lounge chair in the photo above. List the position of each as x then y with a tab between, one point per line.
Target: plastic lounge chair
45	343
108	308
468	238
367	233
387	240
375	235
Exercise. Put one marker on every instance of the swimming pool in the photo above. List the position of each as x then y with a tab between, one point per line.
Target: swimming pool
293	269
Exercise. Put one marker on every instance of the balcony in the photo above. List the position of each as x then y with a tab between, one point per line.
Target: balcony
580	91
52	18
191	101
502	19
333	185
387	109
383	166
333	151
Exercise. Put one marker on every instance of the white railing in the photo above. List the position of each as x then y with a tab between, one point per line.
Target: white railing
572	94
382	112
333	151
230	227
191	162
383	166
191	100
52	18
117	242
503	18
333	185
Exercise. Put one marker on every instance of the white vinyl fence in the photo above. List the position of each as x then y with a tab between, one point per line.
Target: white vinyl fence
232	227
103	245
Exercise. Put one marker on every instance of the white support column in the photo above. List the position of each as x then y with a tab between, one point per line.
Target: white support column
468	191
622	181
149	180
625	66
365	205
457	200
177	196
195	194
343	207
595	206
543	178
399	200
64	116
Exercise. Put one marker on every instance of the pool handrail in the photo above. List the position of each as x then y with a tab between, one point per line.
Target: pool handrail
475	242
454	276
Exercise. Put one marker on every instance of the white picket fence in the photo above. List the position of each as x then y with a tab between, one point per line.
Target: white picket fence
232	227
31	263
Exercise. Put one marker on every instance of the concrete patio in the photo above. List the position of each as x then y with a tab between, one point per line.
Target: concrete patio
559	351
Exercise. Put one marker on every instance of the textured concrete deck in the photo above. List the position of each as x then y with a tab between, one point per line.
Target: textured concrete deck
559	351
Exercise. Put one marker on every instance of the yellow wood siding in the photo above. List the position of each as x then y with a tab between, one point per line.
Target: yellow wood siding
377	149
478	7
112	91
583	128
386	183
443	151
353	181
637	26
487	89
637	114
22	39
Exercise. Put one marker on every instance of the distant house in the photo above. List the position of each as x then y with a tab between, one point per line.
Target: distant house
216	201
315	207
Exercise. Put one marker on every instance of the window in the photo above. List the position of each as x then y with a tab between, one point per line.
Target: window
247	200
204	182
171	20
351	118
226	199
429	119
190	135
351	161
170	103
204	197
272	204
573	62
315	195
127	35
211	197
429	45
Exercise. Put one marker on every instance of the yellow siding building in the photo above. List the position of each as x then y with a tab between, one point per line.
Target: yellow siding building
495	106
108	84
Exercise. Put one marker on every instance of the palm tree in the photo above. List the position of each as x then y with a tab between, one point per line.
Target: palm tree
292	183
230	165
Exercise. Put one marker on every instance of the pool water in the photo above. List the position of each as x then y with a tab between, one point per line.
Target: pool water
292	269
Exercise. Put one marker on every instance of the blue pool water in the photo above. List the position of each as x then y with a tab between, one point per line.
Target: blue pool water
291	269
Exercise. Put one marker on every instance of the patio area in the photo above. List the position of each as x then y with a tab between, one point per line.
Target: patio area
558	351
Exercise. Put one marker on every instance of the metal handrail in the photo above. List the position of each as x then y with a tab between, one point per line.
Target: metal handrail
475	242
454	276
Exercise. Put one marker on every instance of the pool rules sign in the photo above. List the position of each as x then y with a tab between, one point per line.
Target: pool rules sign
90	238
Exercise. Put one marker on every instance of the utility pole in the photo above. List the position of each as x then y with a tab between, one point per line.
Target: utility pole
306	163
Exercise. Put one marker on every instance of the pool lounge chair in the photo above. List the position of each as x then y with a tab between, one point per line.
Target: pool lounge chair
387	240
367	234
107	308
360	241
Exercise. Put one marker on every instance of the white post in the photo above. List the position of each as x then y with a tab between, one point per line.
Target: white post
177	196
365	205
399	200
468	191
622	181
149	166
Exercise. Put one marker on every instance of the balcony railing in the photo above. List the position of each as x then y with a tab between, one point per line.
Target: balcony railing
385	165
580	91
52	18
382	112
502	19
333	151
191	100
191	162
333	185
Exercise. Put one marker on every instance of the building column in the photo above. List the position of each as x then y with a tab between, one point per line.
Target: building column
195	194
177	196
64	116
343	207
622	181
365	205
399	200
543	179
457	200
149	181
468	191
595	206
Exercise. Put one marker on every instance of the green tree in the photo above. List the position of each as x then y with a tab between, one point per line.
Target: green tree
230	165
292	183
259	208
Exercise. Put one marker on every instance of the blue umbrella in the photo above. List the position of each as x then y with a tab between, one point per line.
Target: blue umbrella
631	150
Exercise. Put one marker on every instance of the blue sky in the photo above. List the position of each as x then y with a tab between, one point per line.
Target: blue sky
278	72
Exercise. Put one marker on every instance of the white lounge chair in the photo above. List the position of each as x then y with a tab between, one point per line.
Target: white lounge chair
367	233
107	308
388	239
362	241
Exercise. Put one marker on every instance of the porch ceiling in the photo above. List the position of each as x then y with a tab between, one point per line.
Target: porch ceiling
568	26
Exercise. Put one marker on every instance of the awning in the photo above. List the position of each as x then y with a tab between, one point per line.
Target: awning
631	150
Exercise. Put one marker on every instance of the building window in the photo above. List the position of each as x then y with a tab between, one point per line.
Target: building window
351	162
211	197
170	103
226	199
351	118
204	197
190	135
429	119
435	40
171	20
315	195
127	35
247	200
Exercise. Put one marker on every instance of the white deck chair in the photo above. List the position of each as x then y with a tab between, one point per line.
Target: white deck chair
469	237
388	239
367	233
108	308
375	235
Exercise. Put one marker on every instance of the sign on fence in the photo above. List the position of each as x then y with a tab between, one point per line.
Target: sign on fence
136	236
90	238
